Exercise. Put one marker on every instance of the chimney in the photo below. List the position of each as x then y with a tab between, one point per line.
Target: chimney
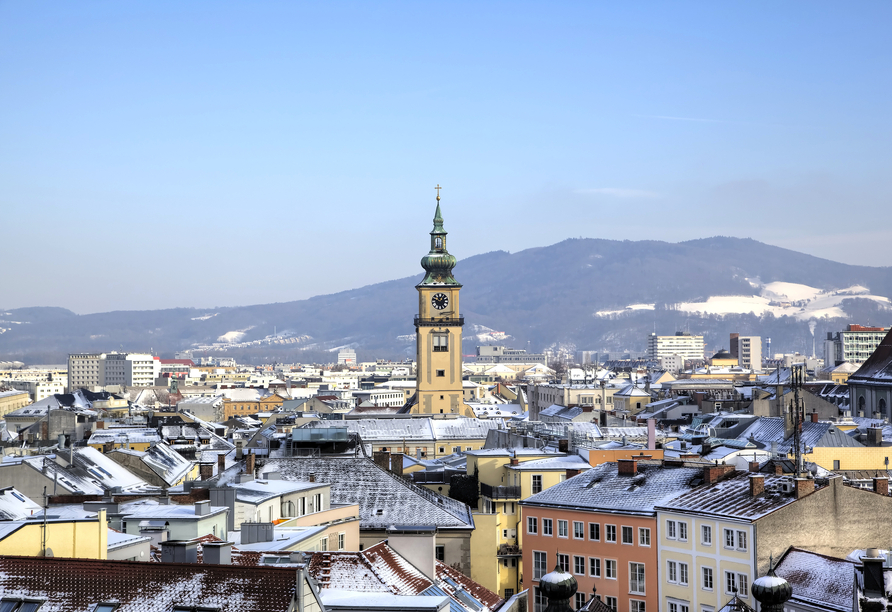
563	445
312	477
572	472
417	544
179	551
627	467
814	417
205	471
381	459
239	449
514	461
217	553
874	436
874	583
757	484
713	473
202	508
249	464
804	486
396	464
651	434
778	468
754	466
881	485
221	463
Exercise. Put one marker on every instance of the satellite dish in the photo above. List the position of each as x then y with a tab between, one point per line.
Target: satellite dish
48	552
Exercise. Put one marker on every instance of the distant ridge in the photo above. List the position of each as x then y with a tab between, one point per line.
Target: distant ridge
545	296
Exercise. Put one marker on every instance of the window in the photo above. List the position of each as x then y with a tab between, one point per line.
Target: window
547	527
729	538
743	583
594	567
683	573
579	530
672	572
610	569
540	563
671	530
741	540
532	525
636	605
730	583
323	544
643	536
562	529
441	373
441	342
677	607
706	535
509	593
610	601
564	562
682	531
537	483
539	600
628	535
594	531
19	605
579	600
341	539
636	578
611	533
707	578
579	566
440	553
456	449
105	607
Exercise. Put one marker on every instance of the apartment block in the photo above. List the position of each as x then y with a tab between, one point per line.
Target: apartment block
748	351
86	370
682	343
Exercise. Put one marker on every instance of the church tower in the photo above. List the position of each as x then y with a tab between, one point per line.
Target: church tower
438	386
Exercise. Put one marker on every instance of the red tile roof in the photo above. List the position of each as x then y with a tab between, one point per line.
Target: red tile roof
76	585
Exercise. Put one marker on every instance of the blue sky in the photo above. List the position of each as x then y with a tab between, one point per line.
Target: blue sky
163	154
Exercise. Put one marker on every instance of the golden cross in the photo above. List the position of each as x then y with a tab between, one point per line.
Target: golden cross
438	188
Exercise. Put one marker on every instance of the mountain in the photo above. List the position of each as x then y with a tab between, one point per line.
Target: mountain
579	293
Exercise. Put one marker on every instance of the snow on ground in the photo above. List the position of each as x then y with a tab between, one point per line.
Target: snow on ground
234	336
778	298
205	317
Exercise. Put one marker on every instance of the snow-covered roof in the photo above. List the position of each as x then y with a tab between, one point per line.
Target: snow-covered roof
818	579
168	464
414	429
14	506
603	488
125	436
259	491
564	462
383	498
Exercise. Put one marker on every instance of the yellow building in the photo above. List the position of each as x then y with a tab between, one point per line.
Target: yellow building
13	400
438	332
82	538
506	477
233	408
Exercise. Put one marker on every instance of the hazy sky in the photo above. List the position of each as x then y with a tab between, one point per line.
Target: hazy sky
160	154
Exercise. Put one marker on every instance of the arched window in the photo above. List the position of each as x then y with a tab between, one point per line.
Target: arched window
881	407
438	242
861	403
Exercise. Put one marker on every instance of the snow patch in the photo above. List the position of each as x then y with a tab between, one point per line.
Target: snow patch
234	336
205	317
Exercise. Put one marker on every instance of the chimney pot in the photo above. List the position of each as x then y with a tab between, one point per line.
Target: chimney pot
881	485
814	417
757	484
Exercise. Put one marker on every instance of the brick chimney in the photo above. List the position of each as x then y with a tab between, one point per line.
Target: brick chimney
514	461
778	469
713	473
757	484
396	464
381	459
881	485
572	472
221	463
249	463
754	466
627	467
312	477
205	471
804	486
814	417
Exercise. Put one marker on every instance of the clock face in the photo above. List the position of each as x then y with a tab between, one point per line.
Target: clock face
440	301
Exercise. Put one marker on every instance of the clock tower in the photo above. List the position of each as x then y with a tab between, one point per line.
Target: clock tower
438	380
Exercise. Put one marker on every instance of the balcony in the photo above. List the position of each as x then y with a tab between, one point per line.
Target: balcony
440	321
499	492
508	550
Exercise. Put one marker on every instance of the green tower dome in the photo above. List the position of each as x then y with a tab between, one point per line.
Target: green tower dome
438	263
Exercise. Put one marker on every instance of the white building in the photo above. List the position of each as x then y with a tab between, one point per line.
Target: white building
346	357
853	345
87	370
748	350
682	343
35	388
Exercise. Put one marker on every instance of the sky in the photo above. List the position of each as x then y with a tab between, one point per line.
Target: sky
207	154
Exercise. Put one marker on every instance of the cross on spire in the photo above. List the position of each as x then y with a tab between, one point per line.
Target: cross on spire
438	188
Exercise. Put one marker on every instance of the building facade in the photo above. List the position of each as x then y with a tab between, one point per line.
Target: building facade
853	345
682	343
748	351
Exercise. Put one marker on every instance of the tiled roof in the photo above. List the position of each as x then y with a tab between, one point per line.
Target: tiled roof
383	499
603	489
817	578
76	585
415	429
380	569
771	429
730	497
